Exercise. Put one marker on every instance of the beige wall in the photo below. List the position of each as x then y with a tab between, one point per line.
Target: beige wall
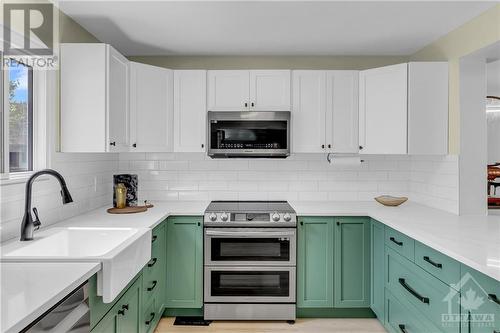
268	62
72	32
481	31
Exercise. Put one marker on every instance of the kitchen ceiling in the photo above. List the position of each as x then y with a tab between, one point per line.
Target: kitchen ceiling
271	27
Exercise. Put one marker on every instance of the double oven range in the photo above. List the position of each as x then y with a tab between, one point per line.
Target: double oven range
250	260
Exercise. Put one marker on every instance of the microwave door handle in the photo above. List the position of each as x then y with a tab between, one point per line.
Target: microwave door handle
250	233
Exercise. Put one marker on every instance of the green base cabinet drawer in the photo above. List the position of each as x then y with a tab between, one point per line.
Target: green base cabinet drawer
403	318
481	301
438	264
433	298
150	317
400	243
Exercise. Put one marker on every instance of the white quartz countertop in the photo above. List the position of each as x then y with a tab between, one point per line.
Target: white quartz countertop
28	290
472	240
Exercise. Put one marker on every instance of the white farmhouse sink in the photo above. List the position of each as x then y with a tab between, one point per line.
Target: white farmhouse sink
122	252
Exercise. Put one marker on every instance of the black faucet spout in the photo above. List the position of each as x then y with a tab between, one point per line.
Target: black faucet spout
28	226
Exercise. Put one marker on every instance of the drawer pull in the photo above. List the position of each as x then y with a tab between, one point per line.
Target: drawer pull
413	292
153	238
152	262
121	312
402	328
148	322
395	241
494	298
435	264
125	306
153	286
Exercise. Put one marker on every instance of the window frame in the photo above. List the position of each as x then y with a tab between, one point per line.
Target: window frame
38	140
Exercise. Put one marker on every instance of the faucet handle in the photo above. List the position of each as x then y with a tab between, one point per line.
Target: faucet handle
36	223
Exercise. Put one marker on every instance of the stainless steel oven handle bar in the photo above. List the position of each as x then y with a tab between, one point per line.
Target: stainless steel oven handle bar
249	233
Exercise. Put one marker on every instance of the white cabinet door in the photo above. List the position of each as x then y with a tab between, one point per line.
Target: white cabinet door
151	108
190	88
118	101
308	111
228	90
383	110
342	111
428	108
270	90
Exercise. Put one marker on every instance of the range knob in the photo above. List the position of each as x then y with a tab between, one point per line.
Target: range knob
287	217
224	216
213	217
275	217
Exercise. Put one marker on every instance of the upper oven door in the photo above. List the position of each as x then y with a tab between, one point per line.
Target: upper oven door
250	246
264	134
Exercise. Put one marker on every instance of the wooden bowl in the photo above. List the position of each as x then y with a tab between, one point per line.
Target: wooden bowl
388	200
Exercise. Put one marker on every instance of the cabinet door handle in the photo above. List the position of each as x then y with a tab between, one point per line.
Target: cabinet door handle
338	223
413	292
360	147
329	146
301	222
199	224
113	143
253	104
153	239
392	239
435	264
202	145
134	145
148	322
125	306
152	262
153	285
402	328
322	146
246	104
494	298
121	312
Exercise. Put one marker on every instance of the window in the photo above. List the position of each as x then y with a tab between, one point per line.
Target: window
18	120
20	104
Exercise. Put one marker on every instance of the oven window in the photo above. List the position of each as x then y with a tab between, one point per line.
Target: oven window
250	249
250	283
232	134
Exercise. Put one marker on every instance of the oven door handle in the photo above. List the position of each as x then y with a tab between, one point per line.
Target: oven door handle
250	233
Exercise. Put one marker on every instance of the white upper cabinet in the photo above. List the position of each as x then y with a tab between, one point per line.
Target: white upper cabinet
94	98
404	109
190	89
308	111
270	90
342	111
428	108
325	111
383	110
228	90
151	108
255	90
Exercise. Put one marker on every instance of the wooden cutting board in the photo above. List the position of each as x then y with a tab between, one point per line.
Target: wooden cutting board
129	210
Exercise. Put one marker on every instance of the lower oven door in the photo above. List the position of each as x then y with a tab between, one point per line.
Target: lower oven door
246	284
250	246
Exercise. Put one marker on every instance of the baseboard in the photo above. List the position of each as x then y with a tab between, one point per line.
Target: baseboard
335	313
173	312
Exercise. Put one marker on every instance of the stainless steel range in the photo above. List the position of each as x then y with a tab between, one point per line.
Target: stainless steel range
250	260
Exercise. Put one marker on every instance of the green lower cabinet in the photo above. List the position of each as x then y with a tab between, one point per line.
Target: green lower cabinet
333	264
124	316
184	277
352	262
480	301
377	269
315	262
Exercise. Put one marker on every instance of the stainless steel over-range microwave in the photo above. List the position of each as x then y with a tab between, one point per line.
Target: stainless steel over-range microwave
248	134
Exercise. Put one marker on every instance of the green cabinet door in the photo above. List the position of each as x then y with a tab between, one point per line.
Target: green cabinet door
184	283
129	311
377	285
315	262
352	262
106	325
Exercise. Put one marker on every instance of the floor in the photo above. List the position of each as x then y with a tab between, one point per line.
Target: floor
303	325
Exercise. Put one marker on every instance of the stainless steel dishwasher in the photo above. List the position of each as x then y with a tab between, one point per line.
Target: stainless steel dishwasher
71	314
